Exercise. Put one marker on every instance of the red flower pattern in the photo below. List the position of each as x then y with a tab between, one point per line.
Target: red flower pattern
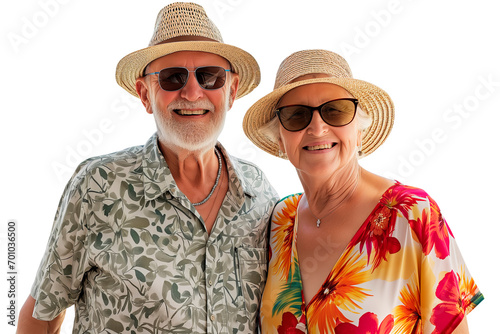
432	231
290	324
368	324
336	306
447	315
376	234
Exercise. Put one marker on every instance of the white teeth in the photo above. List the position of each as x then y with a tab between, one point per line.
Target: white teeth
319	147
190	112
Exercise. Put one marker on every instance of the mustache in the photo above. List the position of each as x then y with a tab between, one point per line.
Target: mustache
183	104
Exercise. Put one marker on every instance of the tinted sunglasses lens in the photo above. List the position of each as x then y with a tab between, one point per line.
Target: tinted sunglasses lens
173	78
295	118
211	77
339	112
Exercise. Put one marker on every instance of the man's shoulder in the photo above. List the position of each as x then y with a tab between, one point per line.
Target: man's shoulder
253	179
244	164
117	162
247	170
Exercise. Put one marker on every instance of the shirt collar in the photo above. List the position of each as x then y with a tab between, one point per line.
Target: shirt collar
158	179
156	175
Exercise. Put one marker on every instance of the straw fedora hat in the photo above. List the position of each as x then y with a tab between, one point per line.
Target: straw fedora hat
184	26
372	99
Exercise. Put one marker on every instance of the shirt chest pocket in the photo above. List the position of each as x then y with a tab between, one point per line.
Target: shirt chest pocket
251	272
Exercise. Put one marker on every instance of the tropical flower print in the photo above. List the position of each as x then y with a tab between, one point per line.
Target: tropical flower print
283	234
401	273
290	296
457	294
408	317
368	324
341	291
290	324
403	198
377	236
469	291
432	231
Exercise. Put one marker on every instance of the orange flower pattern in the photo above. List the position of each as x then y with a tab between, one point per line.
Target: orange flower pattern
341	291
408	318
282	234
402	267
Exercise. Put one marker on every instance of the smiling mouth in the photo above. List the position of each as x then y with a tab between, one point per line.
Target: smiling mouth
183	112
320	147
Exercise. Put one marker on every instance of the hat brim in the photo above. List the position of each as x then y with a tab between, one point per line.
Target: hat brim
372	99
132	66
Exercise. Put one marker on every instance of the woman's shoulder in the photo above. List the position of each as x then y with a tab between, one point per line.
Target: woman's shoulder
393	193
291	202
380	188
410	201
407	191
287	205
291	197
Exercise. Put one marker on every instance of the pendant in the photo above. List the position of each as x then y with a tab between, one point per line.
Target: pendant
318	222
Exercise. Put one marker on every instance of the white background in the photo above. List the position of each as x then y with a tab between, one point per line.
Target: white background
437	59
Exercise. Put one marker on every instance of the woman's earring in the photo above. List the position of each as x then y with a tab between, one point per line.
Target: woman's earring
282	155
360	150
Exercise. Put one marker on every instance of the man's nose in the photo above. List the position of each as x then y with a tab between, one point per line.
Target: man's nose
192	91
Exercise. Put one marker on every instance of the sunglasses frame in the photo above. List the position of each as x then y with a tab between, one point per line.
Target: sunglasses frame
318	108
194	71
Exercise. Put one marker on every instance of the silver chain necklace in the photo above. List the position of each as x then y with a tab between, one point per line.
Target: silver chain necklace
216	180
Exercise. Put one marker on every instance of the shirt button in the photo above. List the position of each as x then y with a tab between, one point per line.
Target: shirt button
212	317
210	283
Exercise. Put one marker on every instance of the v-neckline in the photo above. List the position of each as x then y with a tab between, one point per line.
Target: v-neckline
342	255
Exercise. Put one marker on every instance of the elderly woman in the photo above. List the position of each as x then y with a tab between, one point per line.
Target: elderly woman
355	252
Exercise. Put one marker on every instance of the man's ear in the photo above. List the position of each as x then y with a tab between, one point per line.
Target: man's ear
141	88
235	81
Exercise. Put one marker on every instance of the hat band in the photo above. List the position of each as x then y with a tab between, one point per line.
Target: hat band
187	38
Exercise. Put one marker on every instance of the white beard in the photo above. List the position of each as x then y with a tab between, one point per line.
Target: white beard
191	136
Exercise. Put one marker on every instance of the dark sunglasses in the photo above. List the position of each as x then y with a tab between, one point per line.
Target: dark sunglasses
175	78
338	112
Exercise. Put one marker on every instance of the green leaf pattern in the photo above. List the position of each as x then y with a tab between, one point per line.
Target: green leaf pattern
131	253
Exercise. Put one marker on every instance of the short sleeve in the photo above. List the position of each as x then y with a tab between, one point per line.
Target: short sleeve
448	292
59	278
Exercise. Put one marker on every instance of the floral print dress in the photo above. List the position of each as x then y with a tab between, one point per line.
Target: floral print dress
401	273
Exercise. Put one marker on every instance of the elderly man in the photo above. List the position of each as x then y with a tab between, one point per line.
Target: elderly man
171	236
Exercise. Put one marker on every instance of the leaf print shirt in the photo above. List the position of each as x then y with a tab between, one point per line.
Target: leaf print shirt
401	273
132	254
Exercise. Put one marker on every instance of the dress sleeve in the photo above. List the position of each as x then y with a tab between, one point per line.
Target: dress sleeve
59	278
448	292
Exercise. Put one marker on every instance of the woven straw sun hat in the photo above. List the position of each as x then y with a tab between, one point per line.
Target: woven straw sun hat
184	21
372	99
